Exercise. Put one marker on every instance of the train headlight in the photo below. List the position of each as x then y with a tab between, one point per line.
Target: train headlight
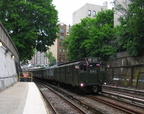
81	84
104	83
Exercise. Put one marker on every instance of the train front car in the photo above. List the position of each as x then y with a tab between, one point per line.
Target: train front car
92	74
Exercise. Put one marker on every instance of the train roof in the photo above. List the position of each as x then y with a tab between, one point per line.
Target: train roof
68	64
36	68
89	59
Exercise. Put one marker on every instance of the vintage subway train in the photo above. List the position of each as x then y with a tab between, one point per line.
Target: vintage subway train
88	74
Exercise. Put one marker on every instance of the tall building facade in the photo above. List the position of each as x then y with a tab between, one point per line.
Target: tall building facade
119	13
39	59
57	49
88	10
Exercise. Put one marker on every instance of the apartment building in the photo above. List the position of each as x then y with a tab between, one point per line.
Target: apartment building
118	13
39	59
88	10
57	49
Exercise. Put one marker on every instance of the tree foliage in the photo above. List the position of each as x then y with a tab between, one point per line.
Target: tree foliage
92	37
131	37
30	23
50	57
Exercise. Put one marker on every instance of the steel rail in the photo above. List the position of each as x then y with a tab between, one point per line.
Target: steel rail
133	99
128	90
80	102
114	105
69	102
47	101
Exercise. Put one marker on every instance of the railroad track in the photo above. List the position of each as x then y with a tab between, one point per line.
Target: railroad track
90	104
58	103
126	90
115	105
124	94
79	106
136	101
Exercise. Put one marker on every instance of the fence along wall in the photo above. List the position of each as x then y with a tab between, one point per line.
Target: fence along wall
126	71
9	58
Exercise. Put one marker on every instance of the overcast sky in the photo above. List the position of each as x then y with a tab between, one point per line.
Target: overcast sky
67	7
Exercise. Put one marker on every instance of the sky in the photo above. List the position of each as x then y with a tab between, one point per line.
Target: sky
66	8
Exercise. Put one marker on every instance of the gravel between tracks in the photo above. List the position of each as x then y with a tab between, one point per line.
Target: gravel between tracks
97	105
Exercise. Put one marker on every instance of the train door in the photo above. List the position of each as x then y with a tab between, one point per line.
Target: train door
68	74
73	74
83	73
55	74
102	73
93	74
63	74
60	74
76	69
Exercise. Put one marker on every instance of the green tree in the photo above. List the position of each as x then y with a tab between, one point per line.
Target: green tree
31	24
50	57
131	37
78	33
92	37
101	36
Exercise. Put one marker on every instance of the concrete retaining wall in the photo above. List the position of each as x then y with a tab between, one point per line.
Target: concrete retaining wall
7	82
9	60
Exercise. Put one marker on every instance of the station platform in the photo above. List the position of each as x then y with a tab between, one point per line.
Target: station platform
22	98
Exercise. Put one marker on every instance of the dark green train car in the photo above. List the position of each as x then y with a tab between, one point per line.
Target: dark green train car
88	74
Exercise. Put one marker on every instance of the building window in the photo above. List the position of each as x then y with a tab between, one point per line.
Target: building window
89	12
61	30
67	31
94	13
61	37
60	43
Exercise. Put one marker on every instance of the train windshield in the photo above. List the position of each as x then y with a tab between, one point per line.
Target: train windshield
83	68
94	67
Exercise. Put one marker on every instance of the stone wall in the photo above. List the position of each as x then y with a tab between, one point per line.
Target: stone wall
125	70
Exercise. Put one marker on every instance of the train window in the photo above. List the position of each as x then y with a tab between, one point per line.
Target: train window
102	68
68	69
95	59
93	68
82	68
90	59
